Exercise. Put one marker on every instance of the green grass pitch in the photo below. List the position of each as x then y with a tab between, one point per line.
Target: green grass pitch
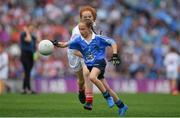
67	105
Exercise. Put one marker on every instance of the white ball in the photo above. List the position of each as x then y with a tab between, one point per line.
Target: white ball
45	47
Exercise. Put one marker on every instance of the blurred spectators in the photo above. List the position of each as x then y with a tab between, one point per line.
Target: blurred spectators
144	30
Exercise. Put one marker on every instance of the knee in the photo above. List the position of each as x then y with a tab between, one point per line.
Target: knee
92	79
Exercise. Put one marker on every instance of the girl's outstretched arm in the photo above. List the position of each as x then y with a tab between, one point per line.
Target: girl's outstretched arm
60	44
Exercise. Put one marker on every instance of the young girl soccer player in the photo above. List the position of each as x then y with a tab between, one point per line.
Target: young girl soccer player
92	49
76	63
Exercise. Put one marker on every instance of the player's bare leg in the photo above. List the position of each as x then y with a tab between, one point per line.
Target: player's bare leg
1	86
174	89
93	77
82	97
88	90
111	92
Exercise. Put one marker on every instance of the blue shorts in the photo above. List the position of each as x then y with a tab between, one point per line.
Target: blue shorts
101	65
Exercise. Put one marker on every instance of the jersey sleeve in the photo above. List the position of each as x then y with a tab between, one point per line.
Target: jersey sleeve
107	41
73	44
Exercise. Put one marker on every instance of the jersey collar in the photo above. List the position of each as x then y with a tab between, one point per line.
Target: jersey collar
88	42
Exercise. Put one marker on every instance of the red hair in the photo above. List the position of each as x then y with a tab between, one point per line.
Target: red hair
88	8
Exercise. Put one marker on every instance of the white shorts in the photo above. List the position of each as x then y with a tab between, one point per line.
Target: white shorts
172	75
75	62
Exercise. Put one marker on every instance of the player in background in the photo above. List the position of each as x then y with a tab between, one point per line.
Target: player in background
77	64
172	63
4	67
92	49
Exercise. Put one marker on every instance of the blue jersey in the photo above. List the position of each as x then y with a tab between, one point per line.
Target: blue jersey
93	50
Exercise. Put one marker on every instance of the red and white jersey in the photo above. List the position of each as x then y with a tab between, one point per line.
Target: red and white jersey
75	32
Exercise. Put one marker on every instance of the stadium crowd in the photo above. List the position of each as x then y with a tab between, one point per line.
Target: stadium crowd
144	29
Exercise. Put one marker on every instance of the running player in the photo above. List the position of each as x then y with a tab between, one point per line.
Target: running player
92	49
77	64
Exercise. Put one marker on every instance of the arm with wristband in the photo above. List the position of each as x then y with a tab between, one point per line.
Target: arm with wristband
60	44
115	59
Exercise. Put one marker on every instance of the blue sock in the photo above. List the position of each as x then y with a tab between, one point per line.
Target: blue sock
119	104
106	94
